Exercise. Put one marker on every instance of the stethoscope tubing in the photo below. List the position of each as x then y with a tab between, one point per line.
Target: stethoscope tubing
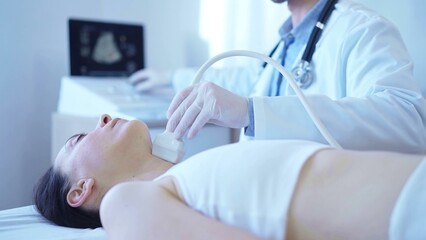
317	31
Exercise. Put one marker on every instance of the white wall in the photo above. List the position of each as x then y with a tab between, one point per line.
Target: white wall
241	24
34	56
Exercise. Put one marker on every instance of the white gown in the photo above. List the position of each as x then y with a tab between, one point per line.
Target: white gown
408	221
247	185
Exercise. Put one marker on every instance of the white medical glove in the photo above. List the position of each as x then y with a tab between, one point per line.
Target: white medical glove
147	79
203	103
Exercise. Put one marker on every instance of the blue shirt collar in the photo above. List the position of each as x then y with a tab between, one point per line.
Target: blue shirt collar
302	31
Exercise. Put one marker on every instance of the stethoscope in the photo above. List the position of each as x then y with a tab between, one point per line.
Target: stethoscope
302	72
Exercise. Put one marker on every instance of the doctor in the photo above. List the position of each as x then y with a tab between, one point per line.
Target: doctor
362	85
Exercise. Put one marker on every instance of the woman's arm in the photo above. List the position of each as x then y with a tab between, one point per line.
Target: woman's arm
348	194
144	210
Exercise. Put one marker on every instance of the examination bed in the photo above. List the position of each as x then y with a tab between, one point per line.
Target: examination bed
24	223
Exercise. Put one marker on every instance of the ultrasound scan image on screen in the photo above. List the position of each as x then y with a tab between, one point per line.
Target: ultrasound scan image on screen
105	48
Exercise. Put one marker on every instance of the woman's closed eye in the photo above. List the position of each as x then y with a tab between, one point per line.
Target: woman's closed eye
75	139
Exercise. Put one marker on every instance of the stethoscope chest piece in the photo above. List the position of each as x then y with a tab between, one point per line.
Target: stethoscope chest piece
302	74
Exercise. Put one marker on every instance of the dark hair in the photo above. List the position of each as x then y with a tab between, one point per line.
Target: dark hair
50	198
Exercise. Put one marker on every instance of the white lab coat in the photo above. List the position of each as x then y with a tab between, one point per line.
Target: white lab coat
364	91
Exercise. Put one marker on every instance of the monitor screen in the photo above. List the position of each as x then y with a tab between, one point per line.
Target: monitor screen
105	48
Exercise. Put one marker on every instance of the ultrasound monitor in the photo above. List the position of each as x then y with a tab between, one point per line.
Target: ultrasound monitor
105	49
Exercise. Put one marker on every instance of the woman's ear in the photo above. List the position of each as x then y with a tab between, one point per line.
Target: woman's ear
80	192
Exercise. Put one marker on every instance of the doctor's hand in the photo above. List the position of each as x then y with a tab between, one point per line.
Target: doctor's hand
203	103
147	79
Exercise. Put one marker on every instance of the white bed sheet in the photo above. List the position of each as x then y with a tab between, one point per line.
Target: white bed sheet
25	223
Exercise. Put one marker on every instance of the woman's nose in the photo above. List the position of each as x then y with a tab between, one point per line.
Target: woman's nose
104	119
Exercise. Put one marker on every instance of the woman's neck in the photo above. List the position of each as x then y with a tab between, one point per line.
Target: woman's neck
299	8
152	167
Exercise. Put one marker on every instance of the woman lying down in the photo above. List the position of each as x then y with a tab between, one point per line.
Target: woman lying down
250	190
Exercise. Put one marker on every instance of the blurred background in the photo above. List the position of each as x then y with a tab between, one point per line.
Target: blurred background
34	57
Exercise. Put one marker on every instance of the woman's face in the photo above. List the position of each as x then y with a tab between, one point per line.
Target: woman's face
109	153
